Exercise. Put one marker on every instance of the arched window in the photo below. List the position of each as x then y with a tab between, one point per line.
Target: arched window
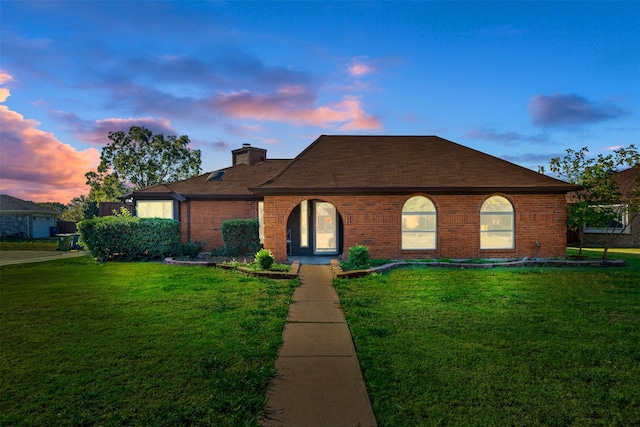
496	224
418	224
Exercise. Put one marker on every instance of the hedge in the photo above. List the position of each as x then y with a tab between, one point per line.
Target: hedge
114	238
241	237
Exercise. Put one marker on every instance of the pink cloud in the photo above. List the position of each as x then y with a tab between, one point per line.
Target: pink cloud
359	70
296	105
4	92
360	66
36	166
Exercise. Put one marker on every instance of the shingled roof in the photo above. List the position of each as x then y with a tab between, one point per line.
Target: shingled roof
400	164
233	184
627	179
13	205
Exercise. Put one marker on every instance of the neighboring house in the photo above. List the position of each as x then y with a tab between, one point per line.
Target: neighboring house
405	197
19	218
627	234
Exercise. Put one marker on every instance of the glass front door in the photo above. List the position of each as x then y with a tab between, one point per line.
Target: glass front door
326	228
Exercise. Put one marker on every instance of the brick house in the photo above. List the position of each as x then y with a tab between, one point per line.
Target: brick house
626	230
405	197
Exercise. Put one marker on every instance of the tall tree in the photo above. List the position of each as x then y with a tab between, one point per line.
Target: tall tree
604	201
139	159
105	187
56	206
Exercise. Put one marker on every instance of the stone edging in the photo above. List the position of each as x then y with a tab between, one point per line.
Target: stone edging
291	274
340	274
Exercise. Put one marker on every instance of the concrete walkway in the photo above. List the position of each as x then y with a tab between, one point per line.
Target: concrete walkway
318	380
24	257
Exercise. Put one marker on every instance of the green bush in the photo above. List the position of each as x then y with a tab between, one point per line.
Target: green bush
241	237
192	248
264	258
358	258
119	238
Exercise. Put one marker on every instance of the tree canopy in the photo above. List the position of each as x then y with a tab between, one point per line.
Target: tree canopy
139	159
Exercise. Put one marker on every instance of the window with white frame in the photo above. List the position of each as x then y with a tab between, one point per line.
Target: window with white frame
617	217
419	224
154	209
496	224
261	221
304	224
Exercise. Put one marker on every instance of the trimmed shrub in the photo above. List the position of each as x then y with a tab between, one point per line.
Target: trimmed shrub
118	238
358	258
241	237
264	258
192	248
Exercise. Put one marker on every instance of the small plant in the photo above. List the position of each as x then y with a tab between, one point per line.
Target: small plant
359	257
123	212
264	258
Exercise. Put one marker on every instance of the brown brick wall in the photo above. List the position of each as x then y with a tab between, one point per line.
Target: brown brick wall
375	221
626	240
207	217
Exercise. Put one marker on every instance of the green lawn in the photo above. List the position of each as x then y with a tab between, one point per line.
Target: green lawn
524	346
136	344
29	245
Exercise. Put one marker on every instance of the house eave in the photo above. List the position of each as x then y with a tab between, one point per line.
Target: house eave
154	196
26	212
410	190
238	197
182	197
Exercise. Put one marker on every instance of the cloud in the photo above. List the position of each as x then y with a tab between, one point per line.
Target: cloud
220	145
96	132
612	148
242	129
569	109
531	160
359	67
296	105
36	166
4	92
506	137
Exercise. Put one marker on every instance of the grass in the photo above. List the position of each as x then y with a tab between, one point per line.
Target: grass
29	245
523	346
256	266
136	344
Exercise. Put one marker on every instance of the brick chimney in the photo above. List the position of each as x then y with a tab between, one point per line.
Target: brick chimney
248	155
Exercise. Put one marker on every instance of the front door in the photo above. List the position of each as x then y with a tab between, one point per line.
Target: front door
326	229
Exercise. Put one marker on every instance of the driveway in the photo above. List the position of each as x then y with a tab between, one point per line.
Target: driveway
23	257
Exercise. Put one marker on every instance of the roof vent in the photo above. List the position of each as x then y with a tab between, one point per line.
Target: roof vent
215	176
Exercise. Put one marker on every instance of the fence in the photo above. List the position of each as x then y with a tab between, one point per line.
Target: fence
107	208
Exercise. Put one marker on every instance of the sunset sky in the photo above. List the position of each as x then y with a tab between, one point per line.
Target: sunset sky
521	81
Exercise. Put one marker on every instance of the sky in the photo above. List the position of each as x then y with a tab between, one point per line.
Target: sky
522	81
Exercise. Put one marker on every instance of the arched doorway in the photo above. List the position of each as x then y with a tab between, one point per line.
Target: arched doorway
314	227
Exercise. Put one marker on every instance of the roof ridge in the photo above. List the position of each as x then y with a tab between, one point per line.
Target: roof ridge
288	165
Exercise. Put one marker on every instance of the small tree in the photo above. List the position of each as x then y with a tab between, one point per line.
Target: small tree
78	209
603	200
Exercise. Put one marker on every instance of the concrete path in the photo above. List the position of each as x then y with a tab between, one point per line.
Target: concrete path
318	380
24	257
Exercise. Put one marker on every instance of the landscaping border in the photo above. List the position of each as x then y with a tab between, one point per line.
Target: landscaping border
340	274
278	275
